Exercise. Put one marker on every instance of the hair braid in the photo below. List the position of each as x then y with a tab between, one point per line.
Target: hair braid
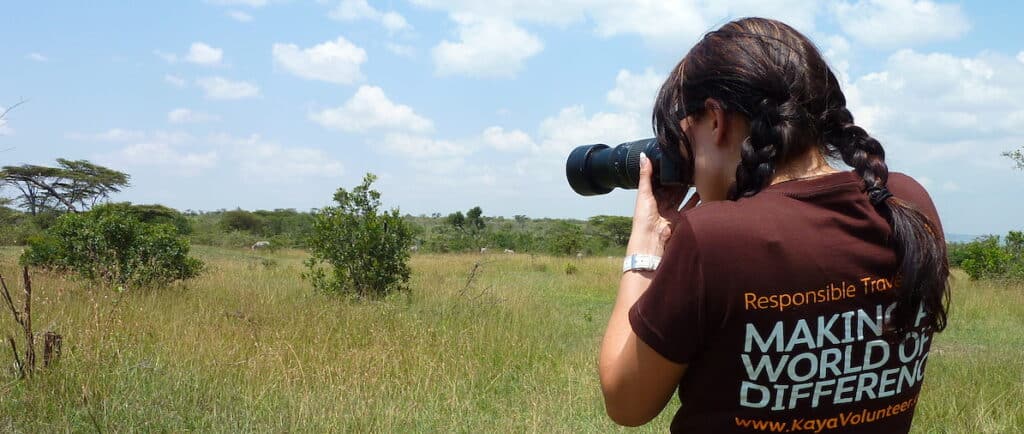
920	286
775	131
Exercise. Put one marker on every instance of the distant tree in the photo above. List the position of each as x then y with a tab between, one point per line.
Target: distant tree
241	220
367	249
614	228
565	238
1015	244
73	186
456	219
474	219
1017	157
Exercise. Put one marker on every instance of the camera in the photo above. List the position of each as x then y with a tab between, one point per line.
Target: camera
598	169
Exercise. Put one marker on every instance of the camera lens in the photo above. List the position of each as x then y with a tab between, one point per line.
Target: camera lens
597	169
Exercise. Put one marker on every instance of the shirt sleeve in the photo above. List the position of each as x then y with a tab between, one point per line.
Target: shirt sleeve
668	317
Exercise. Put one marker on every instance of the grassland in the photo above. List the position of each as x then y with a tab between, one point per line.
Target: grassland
249	347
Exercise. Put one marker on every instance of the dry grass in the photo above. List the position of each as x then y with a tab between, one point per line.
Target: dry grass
249	347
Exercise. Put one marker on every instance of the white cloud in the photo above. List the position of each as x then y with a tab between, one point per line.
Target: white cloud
1020	57
550	12
946	118
4	129
417	147
400	49
370	109
836	50
335	61
900	23
800	14
111	135
222	88
261	160
942	97
162	156
571	127
38	57
656	21
487	47
394	22
351	10
635	92
126	135
175	81
239	16
668	24
203	54
509	141
185	116
167	57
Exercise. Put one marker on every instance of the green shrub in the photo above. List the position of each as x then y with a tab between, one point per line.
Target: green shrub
110	245
983	258
240	220
367	250
160	214
570	268
565	238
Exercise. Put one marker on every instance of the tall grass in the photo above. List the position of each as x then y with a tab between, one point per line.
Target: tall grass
250	347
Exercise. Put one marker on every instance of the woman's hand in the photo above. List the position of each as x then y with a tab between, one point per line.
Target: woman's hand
656	213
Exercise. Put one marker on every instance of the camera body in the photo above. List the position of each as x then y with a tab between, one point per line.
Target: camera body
598	169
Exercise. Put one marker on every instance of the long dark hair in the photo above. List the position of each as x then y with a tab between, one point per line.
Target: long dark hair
776	77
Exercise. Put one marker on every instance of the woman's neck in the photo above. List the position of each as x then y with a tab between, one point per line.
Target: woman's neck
809	165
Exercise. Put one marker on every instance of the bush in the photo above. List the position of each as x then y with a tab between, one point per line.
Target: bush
110	245
984	258
240	220
367	250
565	238
160	214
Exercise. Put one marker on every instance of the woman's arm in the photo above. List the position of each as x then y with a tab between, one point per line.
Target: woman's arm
636	381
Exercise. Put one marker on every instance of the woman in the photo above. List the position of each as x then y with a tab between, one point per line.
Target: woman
795	297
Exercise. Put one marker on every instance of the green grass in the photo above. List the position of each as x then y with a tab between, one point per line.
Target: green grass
249	347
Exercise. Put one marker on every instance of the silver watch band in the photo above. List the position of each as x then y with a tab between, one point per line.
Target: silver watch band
640	262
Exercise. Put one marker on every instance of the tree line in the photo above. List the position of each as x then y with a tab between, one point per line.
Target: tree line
62	213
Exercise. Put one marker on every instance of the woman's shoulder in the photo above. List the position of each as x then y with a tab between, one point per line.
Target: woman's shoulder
726	221
907	189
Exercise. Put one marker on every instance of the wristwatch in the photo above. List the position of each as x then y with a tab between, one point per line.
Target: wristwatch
640	262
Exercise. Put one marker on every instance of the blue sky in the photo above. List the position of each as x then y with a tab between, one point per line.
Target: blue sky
264	104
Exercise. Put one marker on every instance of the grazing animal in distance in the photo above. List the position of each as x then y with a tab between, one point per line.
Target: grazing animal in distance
510	252
261	244
483	250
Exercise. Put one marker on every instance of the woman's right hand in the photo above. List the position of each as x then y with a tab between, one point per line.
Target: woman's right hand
656	212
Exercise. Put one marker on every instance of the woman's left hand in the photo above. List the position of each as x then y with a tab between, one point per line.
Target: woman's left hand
656	213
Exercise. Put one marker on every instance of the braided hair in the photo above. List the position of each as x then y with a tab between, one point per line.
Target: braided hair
775	77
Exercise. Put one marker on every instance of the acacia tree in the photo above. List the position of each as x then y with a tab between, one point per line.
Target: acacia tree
475	219
75	185
614	228
1017	157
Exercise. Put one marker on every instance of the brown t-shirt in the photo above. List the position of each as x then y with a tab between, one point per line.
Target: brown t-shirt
776	303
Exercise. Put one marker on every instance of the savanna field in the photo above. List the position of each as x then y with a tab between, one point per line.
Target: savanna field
509	347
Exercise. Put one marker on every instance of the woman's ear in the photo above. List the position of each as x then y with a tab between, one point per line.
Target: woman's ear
719	121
